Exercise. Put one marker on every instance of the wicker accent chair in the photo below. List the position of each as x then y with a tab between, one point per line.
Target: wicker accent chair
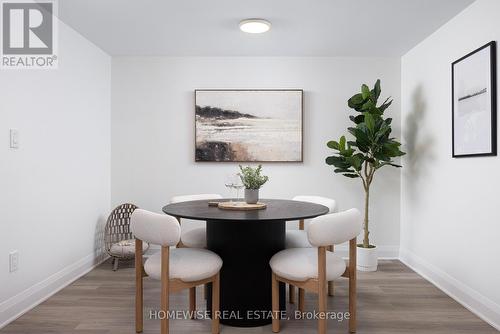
118	239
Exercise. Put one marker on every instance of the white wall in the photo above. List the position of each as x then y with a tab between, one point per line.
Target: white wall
153	130
450	223
54	189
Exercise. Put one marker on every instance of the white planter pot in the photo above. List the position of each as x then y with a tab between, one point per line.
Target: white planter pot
367	259
251	196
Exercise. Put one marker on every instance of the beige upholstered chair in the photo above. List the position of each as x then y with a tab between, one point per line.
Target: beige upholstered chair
298	239
178	269
118	240
194	233
194	236
312	268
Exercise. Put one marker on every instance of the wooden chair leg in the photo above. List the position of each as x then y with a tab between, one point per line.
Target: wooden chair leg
192	301
302	294
138	287
291	294
215	304
164	289
352	286
331	285
301	224
331	288
322	287
352	306
275	303
115	264
322	310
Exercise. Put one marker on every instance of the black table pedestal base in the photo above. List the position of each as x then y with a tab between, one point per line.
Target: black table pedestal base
245	283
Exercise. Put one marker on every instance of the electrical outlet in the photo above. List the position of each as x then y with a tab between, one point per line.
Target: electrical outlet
13	261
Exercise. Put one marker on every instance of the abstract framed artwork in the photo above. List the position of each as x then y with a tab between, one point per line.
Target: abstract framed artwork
260	125
474	98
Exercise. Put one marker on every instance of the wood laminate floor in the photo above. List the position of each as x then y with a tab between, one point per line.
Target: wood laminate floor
392	300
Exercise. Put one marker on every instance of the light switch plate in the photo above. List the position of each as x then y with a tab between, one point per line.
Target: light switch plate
13	261
14	138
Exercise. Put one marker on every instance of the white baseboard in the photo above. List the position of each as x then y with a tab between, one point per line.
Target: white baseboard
383	252
472	300
16	306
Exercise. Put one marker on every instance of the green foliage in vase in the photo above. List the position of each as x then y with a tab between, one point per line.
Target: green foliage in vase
372	146
252	178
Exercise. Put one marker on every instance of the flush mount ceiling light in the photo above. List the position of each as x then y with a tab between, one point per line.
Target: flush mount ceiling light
255	26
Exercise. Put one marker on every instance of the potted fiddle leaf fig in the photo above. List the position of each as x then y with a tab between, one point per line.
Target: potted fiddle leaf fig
372	148
252	180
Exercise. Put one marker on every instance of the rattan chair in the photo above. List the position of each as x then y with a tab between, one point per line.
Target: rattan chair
118	239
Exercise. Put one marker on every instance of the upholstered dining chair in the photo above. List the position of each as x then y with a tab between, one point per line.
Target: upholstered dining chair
312	268
298	239
177	268
194	237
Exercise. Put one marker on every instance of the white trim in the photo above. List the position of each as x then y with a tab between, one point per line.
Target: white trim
480	305
383	252
16	306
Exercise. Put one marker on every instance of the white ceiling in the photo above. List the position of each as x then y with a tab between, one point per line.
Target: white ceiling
299	27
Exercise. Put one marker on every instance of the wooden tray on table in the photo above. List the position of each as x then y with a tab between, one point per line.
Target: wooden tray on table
241	206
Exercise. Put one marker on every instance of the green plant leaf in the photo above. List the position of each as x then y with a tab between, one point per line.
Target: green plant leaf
359	134
381	156
355	161
343	170
370	122
342	143
369	106
365	91
333	144
382	134
362	140
376	91
355	102
347	152
337	161
357	119
251	177
385	105
352	143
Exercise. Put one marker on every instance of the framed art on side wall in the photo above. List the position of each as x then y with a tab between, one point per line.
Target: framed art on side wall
248	125
474	97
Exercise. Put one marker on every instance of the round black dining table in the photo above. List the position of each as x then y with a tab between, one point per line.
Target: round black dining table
246	241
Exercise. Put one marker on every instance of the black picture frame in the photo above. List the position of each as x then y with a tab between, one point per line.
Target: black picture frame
297	90
493	104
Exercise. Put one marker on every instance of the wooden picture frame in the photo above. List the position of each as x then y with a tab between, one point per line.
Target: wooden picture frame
249	125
